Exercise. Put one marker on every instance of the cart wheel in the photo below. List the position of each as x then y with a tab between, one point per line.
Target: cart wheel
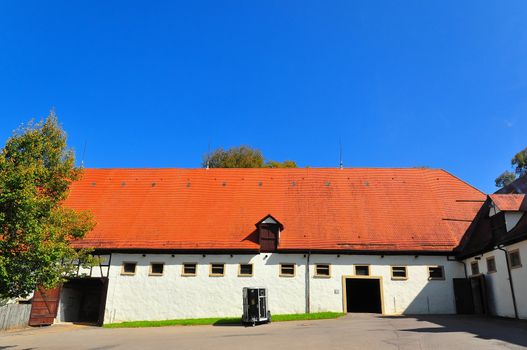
269	318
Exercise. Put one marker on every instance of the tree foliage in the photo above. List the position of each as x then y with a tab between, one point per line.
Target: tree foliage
284	164
36	170
519	163
505	178
242	157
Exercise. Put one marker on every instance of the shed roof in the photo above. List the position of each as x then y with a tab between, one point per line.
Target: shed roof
364	209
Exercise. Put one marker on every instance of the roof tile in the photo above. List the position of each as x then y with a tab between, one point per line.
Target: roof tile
362	209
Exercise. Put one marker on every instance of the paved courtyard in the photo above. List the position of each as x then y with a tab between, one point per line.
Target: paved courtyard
357	331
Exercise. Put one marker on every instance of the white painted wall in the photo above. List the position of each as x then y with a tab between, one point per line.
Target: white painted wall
519	278
416	295
173	296
498	287
512	218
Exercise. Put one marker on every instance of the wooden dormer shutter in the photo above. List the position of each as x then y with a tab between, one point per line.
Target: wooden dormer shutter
269	234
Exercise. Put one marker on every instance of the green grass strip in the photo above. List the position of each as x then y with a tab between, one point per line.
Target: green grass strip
221	321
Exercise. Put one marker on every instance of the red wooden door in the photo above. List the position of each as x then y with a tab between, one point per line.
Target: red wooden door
44	307
268	238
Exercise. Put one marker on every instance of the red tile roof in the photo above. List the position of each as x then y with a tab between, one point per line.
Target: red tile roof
321	209
509	202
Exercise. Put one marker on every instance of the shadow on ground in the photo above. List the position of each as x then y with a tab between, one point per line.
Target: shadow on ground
228	322
488	328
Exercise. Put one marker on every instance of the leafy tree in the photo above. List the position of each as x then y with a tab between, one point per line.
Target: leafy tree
242	157
519	163
236	157
284	164
505	178
36	170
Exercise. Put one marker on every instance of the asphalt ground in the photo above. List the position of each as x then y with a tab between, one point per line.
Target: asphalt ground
354	331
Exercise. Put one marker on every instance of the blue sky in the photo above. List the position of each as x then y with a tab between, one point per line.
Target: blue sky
151	83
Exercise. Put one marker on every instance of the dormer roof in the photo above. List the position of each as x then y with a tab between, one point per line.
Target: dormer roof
509	202
269	219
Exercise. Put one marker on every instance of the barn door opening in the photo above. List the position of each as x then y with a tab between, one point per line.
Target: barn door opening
471	295
363	295
463	296
83	301
479	294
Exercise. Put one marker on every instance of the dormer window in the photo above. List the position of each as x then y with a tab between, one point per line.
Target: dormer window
269	233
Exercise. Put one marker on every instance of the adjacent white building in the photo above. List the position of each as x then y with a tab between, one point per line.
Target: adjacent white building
492	251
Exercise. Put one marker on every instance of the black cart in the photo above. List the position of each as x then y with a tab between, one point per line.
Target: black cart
255	306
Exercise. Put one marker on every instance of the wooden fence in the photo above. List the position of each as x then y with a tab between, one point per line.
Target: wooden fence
14	316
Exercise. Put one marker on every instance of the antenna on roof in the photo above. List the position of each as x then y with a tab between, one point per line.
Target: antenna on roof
341	166
83	153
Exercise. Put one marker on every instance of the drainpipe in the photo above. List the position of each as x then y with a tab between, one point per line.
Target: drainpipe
308	302
510	281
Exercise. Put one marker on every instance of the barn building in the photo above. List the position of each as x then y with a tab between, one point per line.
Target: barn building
182	243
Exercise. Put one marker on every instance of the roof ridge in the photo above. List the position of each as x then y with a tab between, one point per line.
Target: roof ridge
269	169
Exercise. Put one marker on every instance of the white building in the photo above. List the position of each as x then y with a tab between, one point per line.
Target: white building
492	250
182	243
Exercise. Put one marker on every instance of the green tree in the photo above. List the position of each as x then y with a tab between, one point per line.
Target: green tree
241	157
284	164
236	157
36	170
519	163
505	178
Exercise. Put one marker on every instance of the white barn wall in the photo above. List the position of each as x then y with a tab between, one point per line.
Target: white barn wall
173	296
498	287
416	295
519	277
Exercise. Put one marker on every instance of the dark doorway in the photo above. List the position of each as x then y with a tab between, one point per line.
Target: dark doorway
479	294
363	295
83	300
471	295
463	296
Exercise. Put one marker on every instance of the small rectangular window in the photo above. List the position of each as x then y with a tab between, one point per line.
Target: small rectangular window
362	270
156	269
399	273
189	269
474	267
322	270
217	269
514	259
128	268
287	270
491	264
245	270
436	273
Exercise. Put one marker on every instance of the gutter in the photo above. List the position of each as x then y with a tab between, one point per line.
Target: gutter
510	280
